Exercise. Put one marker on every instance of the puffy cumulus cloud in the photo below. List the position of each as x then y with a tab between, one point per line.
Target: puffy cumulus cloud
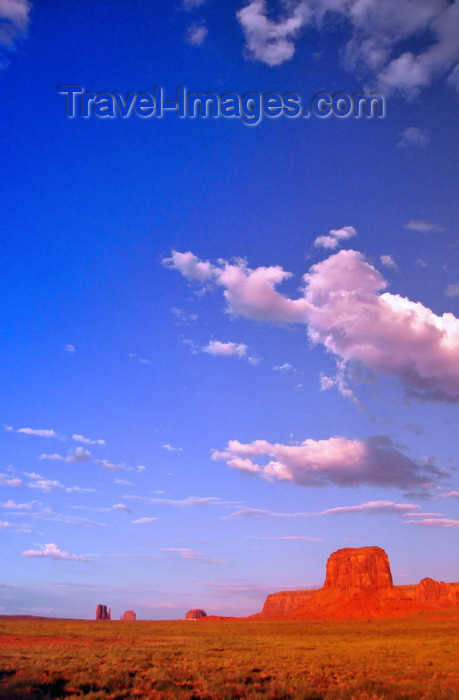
413	136
335	237
375	461
196	33
347	310
386	332
377	507
267	40
249	293
14	20
423	226
216	347
78	455
52	551
378	30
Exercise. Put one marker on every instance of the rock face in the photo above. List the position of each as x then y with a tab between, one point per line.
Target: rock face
195	614
277	604
102	613
363	567
358	585
129	615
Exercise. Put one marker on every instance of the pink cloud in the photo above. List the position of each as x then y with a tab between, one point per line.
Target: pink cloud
431	522
388	507
375	461
346	309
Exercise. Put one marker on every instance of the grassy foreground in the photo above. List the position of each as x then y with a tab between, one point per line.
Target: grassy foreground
413	658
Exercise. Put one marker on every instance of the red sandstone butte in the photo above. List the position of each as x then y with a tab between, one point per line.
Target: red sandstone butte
102	613
129	615
195	614
358	585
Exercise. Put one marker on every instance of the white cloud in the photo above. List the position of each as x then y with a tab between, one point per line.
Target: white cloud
346	309
121	506
413	136
107	464
70	348
335	237
87	441
375	461
78	455
261	514
191	4
379	507
184	553
286	367
291	538
11	505
14	16
196	33
40	433
181	503
169	448
422	226
378	30
141	521
53	552
452	290
388	261
216	347
430	522
6	480
142	360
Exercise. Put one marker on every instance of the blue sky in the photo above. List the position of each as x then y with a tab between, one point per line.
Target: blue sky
228	350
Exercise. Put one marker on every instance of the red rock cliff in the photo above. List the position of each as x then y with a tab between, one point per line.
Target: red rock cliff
364	567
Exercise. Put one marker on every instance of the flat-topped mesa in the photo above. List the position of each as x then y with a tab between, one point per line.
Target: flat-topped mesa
362	567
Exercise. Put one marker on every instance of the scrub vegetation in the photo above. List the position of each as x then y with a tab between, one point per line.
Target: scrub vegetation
414	658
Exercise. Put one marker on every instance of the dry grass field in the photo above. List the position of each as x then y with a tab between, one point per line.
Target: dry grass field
415	658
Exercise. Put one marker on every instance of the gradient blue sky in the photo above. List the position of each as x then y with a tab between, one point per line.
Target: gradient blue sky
187	420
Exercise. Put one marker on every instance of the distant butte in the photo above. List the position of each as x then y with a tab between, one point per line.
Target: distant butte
128	616
358	585
195	614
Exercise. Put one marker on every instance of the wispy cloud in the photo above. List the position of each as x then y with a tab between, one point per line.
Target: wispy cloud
5	525
389	262
142	360
52	551
78	455
196	33
170	448
185	553
413	136
7	480
452	290
143	521
70	348
11	505
87	441
261	514
288	538
121	506
433	522
40	432
375	507
108	464
191	501
423	226
15	20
